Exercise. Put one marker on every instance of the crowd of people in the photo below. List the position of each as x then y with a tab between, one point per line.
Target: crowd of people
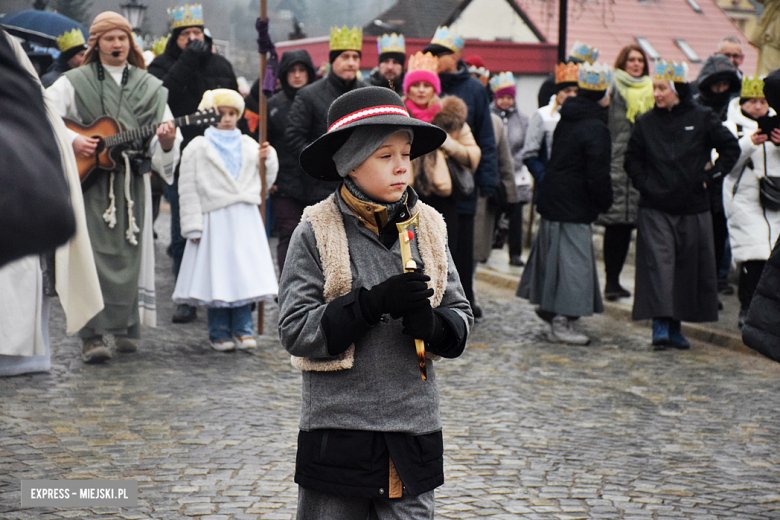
385	193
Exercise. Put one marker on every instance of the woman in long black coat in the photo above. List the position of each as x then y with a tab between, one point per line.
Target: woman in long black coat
668	161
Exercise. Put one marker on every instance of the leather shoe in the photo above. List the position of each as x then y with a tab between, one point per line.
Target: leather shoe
94	350
125	345
516	260
185	314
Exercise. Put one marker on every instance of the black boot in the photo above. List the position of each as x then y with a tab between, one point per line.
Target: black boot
613	291
184	314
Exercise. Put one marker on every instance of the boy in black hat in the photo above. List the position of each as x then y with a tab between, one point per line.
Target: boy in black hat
370	438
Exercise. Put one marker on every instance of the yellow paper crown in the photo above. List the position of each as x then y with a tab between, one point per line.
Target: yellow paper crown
420	61
70	39
567	73
346	39
753	88
159	44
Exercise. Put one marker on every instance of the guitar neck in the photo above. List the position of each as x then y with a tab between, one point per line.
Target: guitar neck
142	132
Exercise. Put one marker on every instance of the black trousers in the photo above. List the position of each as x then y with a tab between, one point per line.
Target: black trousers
617	240
287	214
749	274
720	232
515	236
463	255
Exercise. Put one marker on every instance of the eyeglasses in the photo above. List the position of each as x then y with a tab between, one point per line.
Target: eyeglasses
732	56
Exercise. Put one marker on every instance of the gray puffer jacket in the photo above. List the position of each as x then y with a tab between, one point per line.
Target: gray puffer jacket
625	202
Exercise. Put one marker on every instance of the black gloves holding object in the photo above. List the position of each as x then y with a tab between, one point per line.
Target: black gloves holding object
196	50
396	296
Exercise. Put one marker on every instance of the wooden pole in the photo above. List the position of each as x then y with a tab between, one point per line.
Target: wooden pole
262	129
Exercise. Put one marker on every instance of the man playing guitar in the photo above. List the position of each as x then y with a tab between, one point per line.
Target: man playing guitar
113	82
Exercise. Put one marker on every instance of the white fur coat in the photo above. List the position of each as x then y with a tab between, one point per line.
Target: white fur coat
206	185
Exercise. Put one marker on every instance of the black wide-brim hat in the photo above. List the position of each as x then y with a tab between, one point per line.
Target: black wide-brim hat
362	107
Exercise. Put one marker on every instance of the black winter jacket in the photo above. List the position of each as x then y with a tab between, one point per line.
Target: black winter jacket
668	152
291	179
376	79
762	327
307	120
57	69
577	185
187	77
474	94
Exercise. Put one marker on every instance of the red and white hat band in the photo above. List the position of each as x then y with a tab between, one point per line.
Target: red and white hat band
368	112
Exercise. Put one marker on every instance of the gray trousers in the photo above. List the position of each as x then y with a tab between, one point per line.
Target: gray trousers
314	505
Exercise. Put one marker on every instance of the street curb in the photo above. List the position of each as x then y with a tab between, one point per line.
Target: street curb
699	332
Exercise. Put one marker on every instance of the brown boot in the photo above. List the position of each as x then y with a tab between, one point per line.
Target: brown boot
125	345
95	350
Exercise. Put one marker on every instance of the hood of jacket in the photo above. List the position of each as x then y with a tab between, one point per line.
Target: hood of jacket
580	108
718	68
772	89
290	58
172	48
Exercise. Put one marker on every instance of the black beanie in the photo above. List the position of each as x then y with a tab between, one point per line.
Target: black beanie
400	57
565	84
66	55
593	95
335	54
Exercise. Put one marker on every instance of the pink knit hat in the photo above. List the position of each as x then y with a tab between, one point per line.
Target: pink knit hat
422	67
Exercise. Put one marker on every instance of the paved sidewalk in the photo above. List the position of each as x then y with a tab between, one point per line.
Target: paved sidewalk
723	333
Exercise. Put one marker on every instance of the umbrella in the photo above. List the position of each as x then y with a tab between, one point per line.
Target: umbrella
41	27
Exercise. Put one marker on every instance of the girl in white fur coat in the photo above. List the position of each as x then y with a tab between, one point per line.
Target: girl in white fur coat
227	263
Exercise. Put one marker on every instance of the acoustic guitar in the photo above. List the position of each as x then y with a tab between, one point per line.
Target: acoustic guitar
113	139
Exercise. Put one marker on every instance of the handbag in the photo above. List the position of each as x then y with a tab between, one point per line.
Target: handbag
769	190
439	176
462	180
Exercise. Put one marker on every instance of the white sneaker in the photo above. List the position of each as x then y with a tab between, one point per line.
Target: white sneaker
226	345
245	342
561	330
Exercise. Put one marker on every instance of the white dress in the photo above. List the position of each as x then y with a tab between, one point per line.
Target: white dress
232	264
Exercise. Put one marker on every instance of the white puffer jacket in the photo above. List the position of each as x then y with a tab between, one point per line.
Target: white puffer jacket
752	231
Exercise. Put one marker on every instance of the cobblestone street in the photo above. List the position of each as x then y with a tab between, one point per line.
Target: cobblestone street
532	430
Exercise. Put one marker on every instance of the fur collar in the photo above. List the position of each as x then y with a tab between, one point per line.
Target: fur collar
452	116
332	244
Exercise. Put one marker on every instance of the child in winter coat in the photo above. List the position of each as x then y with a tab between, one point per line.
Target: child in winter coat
370	439
227	264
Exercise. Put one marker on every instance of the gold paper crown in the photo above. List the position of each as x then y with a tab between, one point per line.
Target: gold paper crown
159	44
187	16
420	61
671	71
70	39
567	73
391	43
753	88
345	39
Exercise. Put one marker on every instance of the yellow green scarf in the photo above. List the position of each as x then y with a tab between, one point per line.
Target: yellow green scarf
638	93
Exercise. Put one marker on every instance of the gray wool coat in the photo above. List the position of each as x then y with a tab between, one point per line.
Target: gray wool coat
383	391
625	197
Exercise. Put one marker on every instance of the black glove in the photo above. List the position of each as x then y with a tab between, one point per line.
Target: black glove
196	50
396	296
424	324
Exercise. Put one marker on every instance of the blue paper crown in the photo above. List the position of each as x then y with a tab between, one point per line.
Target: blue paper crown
594	77
671	71
503	80
446	38
583	53
187	15
391	43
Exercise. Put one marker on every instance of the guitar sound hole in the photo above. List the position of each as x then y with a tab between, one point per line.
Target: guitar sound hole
101	144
